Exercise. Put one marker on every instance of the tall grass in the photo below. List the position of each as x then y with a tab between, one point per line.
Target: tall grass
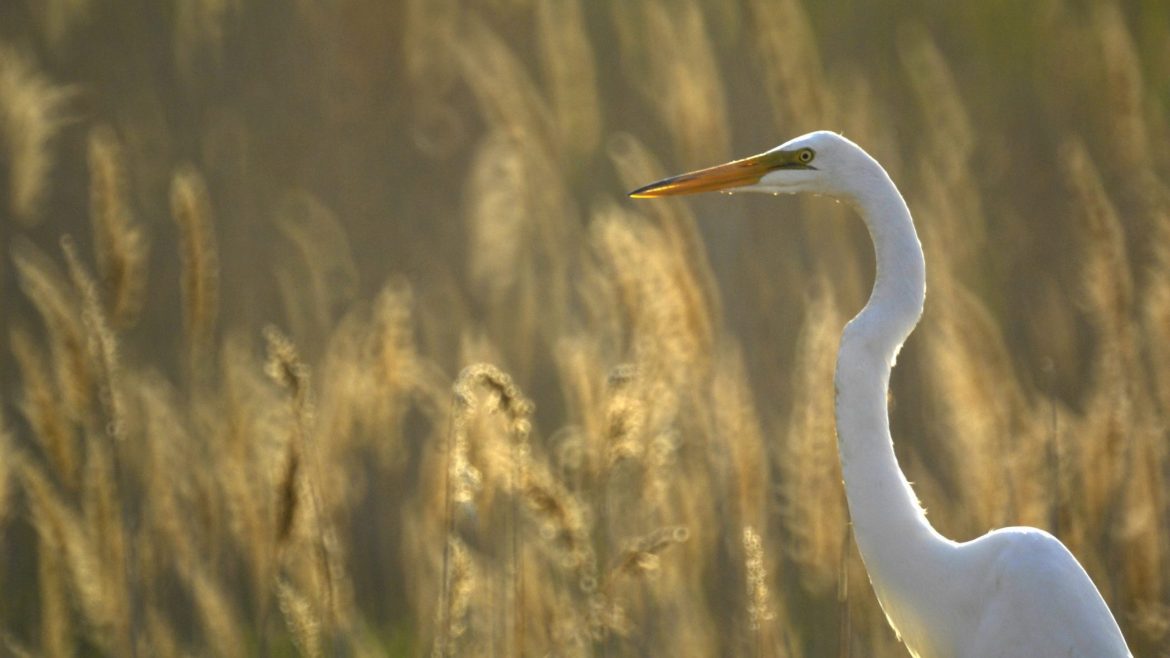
256	267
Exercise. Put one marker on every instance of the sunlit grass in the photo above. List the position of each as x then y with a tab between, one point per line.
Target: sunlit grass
254	271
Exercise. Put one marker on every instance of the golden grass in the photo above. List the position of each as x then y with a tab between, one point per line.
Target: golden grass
790	63
31	113
256	429
759	607
683	80
191	210
568	61
813	503
119	243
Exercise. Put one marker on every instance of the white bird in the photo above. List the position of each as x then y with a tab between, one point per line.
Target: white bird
1012	593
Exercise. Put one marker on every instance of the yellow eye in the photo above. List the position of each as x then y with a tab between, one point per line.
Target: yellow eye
805	156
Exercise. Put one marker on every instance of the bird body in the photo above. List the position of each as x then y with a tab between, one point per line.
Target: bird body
1012	593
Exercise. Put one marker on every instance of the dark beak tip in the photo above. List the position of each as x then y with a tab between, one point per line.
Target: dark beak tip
641	192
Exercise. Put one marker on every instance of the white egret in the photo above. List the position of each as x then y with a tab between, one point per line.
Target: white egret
1012	593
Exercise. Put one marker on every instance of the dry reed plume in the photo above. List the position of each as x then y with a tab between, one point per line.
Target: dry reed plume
31	113
119	243
191	210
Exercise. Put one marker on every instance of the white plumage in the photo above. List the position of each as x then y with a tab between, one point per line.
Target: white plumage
1012	593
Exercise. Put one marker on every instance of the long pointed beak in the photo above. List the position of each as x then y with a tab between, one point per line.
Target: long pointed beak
721	177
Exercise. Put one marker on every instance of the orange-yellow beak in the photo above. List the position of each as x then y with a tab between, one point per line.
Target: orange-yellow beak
721	177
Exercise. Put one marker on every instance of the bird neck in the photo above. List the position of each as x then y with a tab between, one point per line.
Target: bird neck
890	526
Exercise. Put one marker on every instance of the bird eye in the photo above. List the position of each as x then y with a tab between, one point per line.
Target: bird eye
805	156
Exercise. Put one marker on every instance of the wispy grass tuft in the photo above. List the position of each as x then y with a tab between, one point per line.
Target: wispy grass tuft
31	113
814	506
191	210
119	242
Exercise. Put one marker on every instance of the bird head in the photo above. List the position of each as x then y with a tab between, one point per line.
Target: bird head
817	162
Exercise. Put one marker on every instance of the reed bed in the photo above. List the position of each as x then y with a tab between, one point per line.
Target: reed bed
329	332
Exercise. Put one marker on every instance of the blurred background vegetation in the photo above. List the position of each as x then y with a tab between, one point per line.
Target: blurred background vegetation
249	246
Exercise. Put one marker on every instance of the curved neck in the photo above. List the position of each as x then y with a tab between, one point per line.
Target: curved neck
890	526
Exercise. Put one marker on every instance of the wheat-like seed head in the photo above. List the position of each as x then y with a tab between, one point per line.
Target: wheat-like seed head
217	616
191	210
975	385
57	626
570	77
640	557
1123	93
55	301
101	344
63	532
170	502
683	78
947	174
792	72
508	98
30	115
322	279
814	503
102	510
739	429
41	407
1105	457
301	619
759	609
689	264
120	244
